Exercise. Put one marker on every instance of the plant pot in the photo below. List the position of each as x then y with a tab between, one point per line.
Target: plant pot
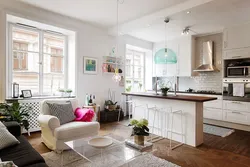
112	107
67	94
164	93
138	139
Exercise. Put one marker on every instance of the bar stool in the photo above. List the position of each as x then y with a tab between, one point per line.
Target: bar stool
172	114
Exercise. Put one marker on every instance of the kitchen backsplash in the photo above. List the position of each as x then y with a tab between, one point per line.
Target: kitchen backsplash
205	80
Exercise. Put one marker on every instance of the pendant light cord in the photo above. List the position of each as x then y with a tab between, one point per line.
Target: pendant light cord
117	28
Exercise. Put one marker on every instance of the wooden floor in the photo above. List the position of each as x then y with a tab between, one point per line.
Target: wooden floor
231	151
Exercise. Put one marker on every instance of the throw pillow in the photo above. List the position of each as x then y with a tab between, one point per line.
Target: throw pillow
64	112
2	125
85	115
7	164
6	138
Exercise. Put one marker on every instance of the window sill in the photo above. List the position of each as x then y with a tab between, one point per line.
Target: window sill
36	97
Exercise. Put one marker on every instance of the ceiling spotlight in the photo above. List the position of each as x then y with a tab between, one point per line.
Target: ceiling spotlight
188	12
185	31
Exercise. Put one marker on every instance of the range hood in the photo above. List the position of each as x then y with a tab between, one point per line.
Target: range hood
207	59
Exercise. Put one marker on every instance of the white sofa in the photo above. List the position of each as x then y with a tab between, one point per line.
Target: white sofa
54	135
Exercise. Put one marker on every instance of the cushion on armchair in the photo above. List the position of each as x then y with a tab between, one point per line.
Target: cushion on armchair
64	112
85	115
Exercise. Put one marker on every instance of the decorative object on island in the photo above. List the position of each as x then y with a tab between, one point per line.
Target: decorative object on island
164	91
26	93
15	90
140	129
110	105
16	112
90	65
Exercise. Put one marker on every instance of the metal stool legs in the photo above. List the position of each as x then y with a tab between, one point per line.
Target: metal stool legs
172	113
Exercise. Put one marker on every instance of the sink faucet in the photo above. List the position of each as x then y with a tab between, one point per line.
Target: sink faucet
156	86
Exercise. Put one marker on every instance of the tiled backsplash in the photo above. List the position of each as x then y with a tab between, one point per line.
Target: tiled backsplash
205	80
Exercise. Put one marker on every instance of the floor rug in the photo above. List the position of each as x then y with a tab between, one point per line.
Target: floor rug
72	159
216	130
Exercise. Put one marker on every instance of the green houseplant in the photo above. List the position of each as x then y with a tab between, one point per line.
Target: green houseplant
68	91
62	91
110	105
164	91
140	129
16	112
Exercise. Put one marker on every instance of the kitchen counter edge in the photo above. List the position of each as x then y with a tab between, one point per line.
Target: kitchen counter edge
173	97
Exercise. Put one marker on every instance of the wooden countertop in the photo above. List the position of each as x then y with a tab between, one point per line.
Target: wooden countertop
172	97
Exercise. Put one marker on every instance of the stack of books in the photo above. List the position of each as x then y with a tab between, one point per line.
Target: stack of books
146	146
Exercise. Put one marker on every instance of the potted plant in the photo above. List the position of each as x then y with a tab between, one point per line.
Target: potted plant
16	112
62	91
164	91
110	105
128	89
140	129
68	92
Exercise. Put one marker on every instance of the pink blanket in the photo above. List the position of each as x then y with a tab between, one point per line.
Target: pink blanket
85	115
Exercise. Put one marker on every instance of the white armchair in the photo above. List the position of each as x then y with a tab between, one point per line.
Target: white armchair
54	135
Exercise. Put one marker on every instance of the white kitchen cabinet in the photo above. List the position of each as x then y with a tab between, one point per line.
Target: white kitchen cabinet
213	109
236	112
183	48
237	37
236	105
237	53
240	117
213	113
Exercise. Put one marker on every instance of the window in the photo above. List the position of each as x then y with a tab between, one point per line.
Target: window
134	80
37	60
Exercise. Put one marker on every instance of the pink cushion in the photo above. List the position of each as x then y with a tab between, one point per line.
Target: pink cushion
85	115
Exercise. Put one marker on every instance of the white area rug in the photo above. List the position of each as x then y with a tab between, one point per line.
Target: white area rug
72	159
216	130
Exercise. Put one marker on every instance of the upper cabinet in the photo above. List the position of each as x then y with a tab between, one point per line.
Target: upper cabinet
236	37
182	48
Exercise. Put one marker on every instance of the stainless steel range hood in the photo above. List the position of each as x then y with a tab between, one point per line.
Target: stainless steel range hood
207	59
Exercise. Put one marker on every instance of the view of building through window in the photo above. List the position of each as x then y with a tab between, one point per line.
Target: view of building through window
36	69
134	80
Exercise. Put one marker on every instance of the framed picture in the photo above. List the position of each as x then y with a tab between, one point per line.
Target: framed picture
26	93
90	65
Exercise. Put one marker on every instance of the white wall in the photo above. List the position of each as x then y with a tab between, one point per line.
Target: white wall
91	41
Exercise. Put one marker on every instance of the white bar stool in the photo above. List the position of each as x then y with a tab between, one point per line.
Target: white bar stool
172	114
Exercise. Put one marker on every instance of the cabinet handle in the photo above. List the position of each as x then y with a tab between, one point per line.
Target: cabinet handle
236	56
236	102
235	112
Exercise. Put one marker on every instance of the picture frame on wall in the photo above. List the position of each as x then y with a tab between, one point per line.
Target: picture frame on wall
90	65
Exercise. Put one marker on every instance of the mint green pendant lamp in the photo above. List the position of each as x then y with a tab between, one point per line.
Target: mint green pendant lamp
165	56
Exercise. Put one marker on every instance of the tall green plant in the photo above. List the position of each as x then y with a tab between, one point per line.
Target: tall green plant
17	113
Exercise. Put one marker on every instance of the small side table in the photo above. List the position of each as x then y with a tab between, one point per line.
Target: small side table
96	109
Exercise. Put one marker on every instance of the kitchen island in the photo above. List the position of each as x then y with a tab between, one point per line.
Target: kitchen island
192	119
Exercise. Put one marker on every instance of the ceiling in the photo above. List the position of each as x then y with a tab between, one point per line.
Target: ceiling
144	19
103	12
208	18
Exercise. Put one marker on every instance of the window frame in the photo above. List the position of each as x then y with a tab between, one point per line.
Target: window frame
133	67
40	53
